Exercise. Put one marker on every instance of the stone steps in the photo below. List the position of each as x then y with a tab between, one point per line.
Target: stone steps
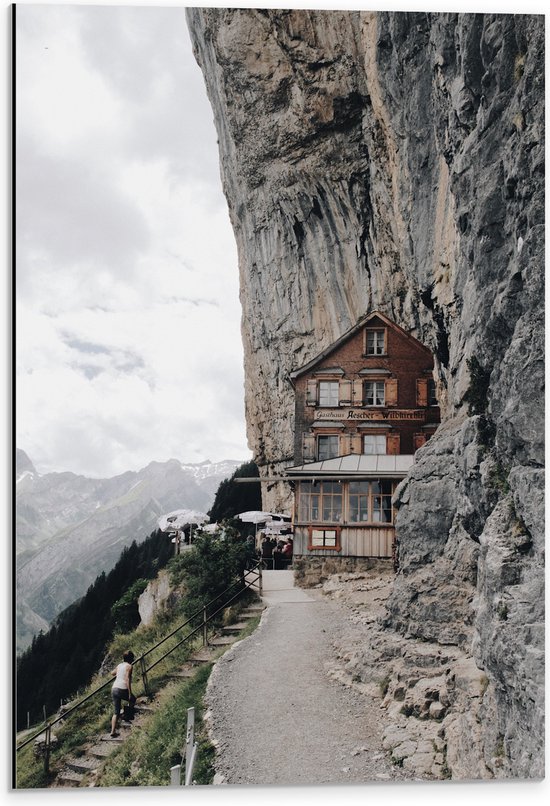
221	641
202	656
252	612
234	628
102	750
70	778
80	771
82	765
183	673
108	738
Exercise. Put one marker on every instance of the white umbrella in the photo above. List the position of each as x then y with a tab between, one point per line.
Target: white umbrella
275	527
176	521
180	518
255	516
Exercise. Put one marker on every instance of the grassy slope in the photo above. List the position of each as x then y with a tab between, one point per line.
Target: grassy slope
146	756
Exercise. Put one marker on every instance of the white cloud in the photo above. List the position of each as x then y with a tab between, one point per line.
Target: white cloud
128	339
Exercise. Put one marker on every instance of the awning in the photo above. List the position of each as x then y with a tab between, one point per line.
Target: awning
354	465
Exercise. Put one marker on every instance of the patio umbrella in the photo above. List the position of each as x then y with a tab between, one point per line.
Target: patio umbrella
276	527
180	518
177	520
255	516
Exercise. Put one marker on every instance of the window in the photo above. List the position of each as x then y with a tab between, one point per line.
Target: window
370	501
374	393
367	502
376	342
381	501
328	393
358	501
374	443
323	539
320	502
327	447
432	395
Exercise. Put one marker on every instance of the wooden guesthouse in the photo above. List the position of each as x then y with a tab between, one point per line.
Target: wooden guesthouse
362	409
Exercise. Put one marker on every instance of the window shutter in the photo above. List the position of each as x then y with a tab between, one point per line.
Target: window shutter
358	392
419	440
393	444
421	392
308	447
391	392
344	393
356	443
311	393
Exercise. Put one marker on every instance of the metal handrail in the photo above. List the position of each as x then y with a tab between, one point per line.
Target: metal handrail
48	725
210	617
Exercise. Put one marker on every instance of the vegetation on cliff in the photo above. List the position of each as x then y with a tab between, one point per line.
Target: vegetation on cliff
233	497
60	662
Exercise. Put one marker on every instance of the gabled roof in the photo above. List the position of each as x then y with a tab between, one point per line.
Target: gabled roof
348	335
356	464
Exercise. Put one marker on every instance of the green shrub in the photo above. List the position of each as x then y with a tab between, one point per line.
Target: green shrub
209	568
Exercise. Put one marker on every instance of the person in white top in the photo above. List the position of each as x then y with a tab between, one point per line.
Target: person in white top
122	688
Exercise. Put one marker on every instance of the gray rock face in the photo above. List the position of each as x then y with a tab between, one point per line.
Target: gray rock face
396	161
158	597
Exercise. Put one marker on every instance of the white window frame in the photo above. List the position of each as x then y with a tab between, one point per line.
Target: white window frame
377	387
329	394
379	446
328	439
324	539
378	336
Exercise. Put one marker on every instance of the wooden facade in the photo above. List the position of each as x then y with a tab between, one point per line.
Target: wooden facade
363	407
373	541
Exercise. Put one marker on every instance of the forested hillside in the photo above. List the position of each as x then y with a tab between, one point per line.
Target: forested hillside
233	497
63	660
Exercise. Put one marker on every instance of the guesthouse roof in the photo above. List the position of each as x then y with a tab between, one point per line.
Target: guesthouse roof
356	464
348	335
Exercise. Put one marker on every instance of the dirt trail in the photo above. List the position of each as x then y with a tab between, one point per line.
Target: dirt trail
277	716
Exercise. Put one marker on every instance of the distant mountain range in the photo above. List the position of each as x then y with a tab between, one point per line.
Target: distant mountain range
70	528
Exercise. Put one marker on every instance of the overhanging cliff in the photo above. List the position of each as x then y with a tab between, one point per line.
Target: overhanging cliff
396	161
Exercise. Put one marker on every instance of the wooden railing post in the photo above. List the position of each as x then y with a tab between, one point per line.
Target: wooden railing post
48	736
144	677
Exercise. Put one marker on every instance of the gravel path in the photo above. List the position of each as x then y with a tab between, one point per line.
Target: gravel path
278	718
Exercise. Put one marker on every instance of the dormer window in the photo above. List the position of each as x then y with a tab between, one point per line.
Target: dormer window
376	341
328	393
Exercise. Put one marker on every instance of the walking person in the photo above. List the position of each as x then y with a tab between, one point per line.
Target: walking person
122	688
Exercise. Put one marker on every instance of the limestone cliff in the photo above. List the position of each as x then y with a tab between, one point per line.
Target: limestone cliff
396	161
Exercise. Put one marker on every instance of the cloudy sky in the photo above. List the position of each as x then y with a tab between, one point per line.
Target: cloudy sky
128	318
